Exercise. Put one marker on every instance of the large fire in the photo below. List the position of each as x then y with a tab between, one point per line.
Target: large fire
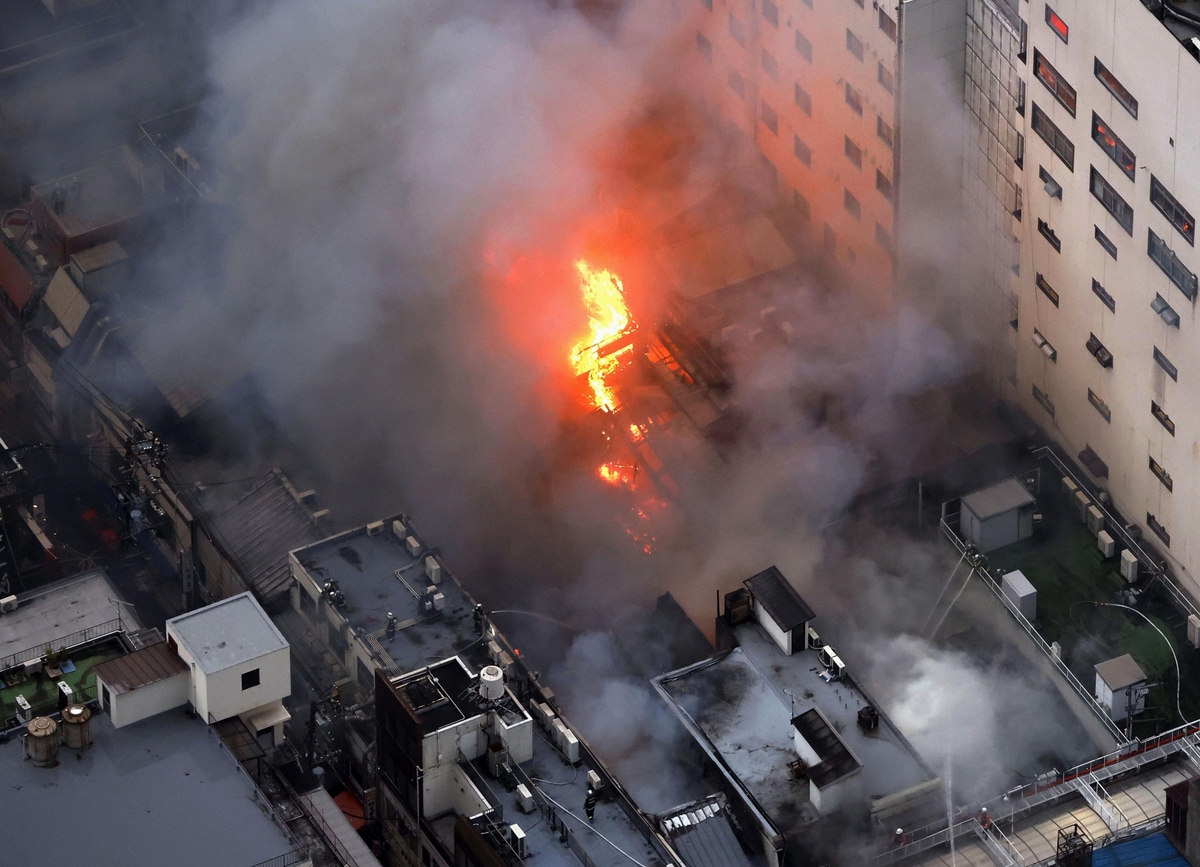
599	354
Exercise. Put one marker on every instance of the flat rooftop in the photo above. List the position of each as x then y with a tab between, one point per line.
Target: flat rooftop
51	613
377	574
227	633
161	791
743	705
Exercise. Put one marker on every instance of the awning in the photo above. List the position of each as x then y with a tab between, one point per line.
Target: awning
269	717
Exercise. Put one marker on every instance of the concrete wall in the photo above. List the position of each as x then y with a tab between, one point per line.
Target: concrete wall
223	693
845	792
773	629
148	700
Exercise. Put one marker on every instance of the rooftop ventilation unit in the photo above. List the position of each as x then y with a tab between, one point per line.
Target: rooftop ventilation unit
8	604
433	569
518	840
524	798
400	530
414	547
1193	630
374	528
1106	544
1129	566
24	711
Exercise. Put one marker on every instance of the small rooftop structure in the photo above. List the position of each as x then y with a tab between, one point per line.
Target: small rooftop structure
142	684
702	834
226	634
140	668
786	613
996	516
163	791
1120	687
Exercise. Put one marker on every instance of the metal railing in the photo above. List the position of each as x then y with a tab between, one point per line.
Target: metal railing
1069	676
70	642
550	813
296	856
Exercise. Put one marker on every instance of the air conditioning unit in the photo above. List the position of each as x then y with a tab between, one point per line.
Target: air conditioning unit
374	528
518	840
24	711
433	570
1193	630
814	640
33	666
1082	504
400	530
1095	521
1069	487
8	604
1106	544
414	547
524	798
1129	566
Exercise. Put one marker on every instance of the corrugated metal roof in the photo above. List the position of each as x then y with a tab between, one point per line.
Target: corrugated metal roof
140	668
779	598
701	833
1153	851
261	527
997	499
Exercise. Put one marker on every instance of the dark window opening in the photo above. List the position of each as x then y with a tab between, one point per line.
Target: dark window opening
887	79
250	678
1091	460
1107	195
770	12
884	131
1165	363
854	153
1048	234
1048	75
1054	137
1178	273
1177	215
704	46
737	84
887	25
884	239
802	151
854	100
1104	295
1044	399
1158	529
1115	87
1047	290
802	99
1100	405
770	66
801	205
1106	242
803	46
852	205
1165	420
737	30
883	184
854	45
1112	145
1162	474
770	119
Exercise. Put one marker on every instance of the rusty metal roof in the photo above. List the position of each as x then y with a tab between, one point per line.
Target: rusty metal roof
140	668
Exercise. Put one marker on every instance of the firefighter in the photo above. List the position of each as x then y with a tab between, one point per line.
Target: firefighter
390	628
898	837
985	818
478	619
589	804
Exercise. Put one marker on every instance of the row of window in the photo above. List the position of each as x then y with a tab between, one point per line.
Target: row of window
882	236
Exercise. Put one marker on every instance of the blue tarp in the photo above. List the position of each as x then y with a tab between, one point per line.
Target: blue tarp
1153	851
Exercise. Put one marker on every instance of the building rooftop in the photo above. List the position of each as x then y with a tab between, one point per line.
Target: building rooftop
702	834
1152	851
779	598
227	633
441	694
740	706
1120	672
998	499
377	574
161	791
140	668
51	614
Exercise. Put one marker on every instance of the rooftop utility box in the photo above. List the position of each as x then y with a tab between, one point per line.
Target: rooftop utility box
1120	687
1021	593
1106	544
1082	504
1129	566
1069	487
997	516
779	609
143	683
1095	520
1193	630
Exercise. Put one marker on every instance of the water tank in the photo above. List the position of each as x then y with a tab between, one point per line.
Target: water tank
41	741
77	726
491	682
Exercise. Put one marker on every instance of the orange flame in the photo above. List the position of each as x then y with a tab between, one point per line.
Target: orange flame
609	321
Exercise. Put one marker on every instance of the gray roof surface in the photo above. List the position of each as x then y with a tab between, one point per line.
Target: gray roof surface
57	610
261	527
160	791
702	834
743	705
779	598
365	568
140	668
998	499
227	633
1121	672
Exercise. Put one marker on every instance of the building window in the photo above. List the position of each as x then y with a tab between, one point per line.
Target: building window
1165	311
770	67
1164	257
1159	529
1048	234
829	239
1056	24
802	151
1053	136
853	99
1165	420
737	84
1100	405
1052	187
1104	295
802	99
250	679
1048	75
854	44
1163	362
1099	351
1044	399
807	3
1116	149
861	4
1092	461
1047	289
737	30
803	47
1019	159
1021	97
883	184
1170	208
887	79
853	153
1162	474
707	4
1112	201
770	119
884	239
1023	42
852	205
704	46
884	131
887	25
770	169
1109	247
801	205
1115	87
770	12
